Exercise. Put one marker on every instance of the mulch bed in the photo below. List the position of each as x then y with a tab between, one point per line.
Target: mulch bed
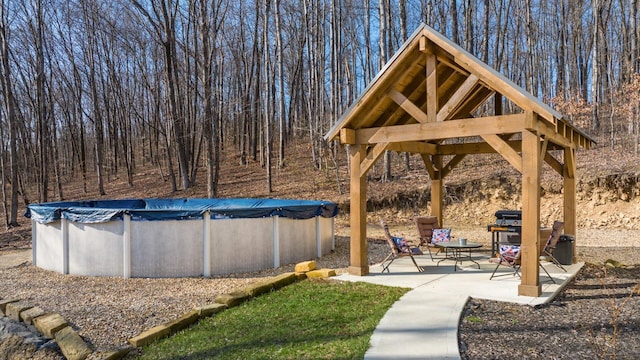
597	316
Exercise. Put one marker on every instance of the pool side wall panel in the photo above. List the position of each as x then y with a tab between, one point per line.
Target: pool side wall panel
297	240
326	231
170	248
96	249
49	250
241	245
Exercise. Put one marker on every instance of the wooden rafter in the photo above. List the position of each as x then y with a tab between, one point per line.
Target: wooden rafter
457	98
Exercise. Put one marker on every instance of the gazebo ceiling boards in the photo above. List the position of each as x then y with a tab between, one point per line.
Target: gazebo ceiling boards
425	101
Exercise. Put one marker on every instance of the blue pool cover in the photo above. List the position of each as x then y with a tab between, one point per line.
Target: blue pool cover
98	211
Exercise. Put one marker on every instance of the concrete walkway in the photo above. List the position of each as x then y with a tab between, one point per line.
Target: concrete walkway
423	324
15	258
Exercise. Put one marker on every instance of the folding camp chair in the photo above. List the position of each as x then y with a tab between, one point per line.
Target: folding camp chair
399	248
509	255
552	242
430	233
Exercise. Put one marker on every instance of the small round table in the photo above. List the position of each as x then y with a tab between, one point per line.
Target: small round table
457	254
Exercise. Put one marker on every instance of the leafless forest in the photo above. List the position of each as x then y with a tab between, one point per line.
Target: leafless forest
95	88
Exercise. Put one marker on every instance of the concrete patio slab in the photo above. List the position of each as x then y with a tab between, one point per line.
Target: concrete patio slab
423	324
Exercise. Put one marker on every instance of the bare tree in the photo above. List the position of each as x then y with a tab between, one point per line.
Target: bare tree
280	75
209	27
90	25
163	23
9	110
267	104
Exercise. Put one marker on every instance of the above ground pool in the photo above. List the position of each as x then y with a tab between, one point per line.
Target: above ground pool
178	237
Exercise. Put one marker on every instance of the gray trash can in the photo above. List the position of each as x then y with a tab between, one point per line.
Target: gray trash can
564	249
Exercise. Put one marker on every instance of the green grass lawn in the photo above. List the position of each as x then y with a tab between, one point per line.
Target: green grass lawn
311	319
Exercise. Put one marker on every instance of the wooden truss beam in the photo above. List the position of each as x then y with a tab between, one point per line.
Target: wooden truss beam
408	106
414	147
443	130
503	148
457	98
452	164
373	154
432	87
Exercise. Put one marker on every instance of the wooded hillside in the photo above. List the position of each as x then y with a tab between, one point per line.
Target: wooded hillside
94	90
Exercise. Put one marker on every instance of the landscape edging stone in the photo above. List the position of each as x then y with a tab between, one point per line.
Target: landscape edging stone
71	344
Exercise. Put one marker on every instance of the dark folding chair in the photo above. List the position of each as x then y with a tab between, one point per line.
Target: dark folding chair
399	248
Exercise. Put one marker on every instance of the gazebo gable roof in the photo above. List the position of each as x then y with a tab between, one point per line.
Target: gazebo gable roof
400	95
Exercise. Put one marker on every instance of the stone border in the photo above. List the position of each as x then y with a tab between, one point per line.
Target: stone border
73	347
50	325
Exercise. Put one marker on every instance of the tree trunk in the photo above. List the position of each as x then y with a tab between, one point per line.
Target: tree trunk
453	6
635	37
267	101
98	128
3	178
595	68
281	107
9	104
207	101
384	54
41	111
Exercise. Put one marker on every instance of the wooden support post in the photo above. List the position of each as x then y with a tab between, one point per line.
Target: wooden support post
358	216
568	174
531	162
437	189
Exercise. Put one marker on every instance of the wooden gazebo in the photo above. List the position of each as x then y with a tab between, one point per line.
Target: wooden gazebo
426	96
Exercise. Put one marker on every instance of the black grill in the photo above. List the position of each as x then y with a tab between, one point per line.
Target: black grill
507	221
